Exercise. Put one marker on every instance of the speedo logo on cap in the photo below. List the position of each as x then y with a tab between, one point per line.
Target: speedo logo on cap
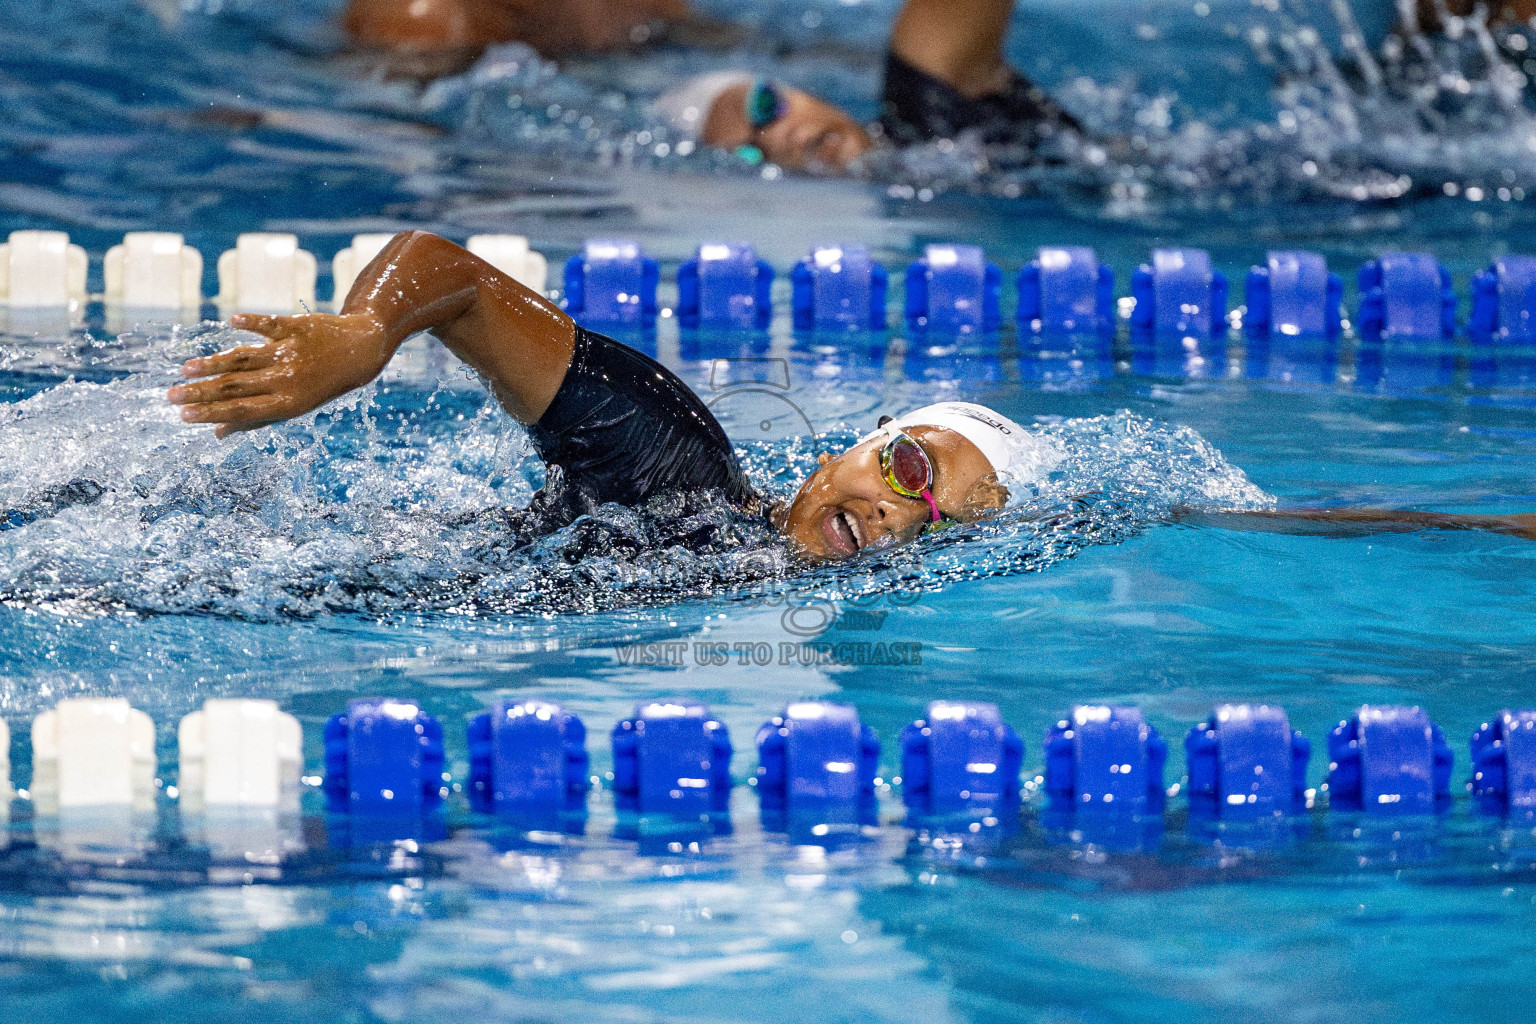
982	417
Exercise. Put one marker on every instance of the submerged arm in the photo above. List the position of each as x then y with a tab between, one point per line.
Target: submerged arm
1355	522
518	340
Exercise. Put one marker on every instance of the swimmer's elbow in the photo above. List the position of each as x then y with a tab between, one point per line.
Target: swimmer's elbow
423	248
416	237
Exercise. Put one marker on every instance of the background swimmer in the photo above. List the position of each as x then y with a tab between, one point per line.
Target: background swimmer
945	73
945	76
614	426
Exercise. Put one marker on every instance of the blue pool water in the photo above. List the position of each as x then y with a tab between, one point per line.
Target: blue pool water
350	555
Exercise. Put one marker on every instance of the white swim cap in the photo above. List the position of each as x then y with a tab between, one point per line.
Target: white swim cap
686	107
1016	455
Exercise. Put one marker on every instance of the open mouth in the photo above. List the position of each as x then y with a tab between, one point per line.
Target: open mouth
841	532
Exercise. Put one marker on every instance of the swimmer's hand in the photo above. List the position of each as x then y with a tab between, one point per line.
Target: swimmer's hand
518	340
305	362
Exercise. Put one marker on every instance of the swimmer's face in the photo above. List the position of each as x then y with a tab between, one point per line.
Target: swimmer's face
809	135
813	135
846	505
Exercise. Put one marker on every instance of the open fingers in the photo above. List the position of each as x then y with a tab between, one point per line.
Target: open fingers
221	388
261	323
225	429
256	411
235	360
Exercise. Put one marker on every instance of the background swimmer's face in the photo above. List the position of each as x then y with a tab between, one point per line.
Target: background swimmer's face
847	506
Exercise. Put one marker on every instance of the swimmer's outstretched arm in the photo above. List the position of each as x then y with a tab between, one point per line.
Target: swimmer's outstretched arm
1355	522
518	340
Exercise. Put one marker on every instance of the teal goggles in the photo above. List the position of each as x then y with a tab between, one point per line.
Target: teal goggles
765	104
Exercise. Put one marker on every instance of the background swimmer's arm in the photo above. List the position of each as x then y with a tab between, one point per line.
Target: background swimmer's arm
518	340
1355	522
956	41
552	29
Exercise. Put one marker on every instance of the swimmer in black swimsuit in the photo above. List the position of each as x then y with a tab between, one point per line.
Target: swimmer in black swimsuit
615	426
611	424
945	77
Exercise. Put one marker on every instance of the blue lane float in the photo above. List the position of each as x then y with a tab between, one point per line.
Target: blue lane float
1406	295
961	758
1504	763
952	289
1105	758
384	760
527	756
817	763
383	757
1294	319
1389	759
1504	301
672	758
612	283
1245	761
839	288
1179	293
725	285
1066	290
1292	295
